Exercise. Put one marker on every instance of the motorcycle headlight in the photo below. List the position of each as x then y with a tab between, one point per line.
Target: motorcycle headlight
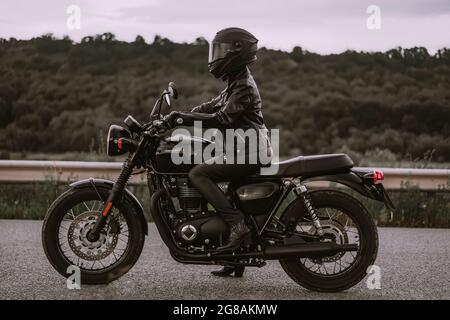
114	142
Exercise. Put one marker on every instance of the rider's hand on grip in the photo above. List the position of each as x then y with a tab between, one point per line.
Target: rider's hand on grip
161	125
173	119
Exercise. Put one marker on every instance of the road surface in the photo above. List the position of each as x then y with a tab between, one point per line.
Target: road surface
414	264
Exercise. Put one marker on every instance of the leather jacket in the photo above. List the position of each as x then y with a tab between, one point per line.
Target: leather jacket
238	106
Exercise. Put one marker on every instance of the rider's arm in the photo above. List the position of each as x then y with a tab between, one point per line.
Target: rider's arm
223	118
207	107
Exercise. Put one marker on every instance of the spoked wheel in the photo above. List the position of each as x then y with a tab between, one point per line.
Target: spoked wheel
339	228
67	225
344	220
75	246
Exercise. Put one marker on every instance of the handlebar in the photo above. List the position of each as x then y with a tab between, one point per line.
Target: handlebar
156	127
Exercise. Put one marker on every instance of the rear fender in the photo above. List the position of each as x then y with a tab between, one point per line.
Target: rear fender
357	183
107	184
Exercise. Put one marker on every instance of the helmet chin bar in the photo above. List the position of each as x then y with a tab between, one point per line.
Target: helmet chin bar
224	68
233	63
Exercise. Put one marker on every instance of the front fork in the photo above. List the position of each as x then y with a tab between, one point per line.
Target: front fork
301	191
115	192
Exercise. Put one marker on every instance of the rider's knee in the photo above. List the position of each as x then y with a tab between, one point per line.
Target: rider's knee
196	173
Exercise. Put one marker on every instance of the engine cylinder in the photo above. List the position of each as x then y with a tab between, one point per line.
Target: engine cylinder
190	198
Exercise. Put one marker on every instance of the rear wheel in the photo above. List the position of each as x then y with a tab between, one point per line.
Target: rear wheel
344	220
65	229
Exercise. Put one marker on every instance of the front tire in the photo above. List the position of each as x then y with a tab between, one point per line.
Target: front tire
298	269
56	240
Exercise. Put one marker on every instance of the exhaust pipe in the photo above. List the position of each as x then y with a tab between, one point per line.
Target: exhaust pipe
300	250
307	250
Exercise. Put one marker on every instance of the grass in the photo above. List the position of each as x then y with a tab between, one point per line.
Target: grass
414	208
31	200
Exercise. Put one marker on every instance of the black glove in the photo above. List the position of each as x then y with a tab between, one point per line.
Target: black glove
171	119
160	125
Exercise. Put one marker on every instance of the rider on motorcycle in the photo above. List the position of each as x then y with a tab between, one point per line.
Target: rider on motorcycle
238	106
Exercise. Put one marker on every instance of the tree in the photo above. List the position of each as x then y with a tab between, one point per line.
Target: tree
297	54
5	113
139	40
354	101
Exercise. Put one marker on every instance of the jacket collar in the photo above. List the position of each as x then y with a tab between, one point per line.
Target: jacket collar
235	78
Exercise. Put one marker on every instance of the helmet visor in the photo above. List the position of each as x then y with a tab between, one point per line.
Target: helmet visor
218	50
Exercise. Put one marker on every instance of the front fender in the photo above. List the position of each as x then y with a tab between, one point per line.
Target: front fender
108	184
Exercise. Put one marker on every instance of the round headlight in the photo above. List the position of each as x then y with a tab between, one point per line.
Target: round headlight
114	145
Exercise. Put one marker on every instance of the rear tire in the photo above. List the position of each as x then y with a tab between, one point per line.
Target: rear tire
51	237
368	243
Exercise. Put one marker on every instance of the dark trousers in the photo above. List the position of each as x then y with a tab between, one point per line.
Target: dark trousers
204	177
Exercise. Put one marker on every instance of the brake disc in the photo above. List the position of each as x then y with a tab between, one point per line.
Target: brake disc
81	246
334	230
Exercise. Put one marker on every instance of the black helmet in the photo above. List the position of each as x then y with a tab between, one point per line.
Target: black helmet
230	51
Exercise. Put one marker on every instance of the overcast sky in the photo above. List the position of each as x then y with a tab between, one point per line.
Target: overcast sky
322	26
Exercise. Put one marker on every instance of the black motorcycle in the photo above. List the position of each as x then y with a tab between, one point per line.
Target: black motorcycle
324	239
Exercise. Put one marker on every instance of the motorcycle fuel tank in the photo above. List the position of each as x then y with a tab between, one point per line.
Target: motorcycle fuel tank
171	150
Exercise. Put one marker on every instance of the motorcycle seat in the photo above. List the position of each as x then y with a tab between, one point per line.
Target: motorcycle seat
314	165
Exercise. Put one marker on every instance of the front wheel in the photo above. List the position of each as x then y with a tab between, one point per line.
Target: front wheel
65	230
344	220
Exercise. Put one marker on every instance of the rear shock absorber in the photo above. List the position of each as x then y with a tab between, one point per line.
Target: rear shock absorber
302	191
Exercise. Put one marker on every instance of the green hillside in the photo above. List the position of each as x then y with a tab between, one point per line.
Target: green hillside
58	96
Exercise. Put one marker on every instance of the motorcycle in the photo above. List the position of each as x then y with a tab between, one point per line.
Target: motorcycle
324	239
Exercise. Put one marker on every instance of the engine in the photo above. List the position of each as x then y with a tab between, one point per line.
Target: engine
195	226
191	201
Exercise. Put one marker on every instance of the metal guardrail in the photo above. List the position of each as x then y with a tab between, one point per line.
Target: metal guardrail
30	170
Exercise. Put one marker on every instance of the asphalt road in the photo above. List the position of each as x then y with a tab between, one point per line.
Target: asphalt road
414	264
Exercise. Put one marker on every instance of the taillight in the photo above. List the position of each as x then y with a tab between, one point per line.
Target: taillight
375	176
378	176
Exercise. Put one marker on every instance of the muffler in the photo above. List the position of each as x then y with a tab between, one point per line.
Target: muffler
307	250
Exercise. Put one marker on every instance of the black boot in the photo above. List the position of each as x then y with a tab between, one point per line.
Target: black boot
227	271
238	232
